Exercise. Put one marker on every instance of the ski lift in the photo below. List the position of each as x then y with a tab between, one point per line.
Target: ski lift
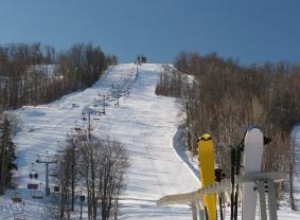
33	175
16	198
82	198
38	194
32	186
83	116
56	188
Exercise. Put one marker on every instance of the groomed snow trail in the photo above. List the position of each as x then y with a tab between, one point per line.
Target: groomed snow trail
155	169
143	122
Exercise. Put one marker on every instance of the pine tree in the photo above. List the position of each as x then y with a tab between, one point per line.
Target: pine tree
7	157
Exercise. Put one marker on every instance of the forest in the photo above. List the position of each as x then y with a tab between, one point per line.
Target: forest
225	97
32	74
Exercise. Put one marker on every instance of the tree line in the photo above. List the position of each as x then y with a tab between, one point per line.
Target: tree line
32	74
224	98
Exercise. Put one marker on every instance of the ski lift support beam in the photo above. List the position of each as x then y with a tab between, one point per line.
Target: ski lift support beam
46	162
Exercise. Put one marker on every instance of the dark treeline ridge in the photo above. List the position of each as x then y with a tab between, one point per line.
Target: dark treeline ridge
32	74
225	98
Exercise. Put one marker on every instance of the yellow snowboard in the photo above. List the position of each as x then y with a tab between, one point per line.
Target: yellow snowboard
207	173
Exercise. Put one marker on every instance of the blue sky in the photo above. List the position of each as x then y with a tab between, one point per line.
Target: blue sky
252	31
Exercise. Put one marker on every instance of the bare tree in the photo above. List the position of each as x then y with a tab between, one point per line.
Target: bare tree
65	176
103	166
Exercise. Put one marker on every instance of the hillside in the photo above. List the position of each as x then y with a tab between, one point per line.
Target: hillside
143	122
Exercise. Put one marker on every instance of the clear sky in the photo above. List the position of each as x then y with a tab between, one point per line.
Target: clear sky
252	31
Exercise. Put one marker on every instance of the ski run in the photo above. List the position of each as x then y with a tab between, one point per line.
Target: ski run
146	124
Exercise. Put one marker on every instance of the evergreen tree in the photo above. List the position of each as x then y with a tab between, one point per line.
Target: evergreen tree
7	156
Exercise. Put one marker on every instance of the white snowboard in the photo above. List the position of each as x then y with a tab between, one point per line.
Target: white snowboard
253	151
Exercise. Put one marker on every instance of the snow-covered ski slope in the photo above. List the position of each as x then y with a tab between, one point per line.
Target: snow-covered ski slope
143	122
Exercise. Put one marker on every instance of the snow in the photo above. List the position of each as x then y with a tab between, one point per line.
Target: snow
49	70
296	151
148	126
